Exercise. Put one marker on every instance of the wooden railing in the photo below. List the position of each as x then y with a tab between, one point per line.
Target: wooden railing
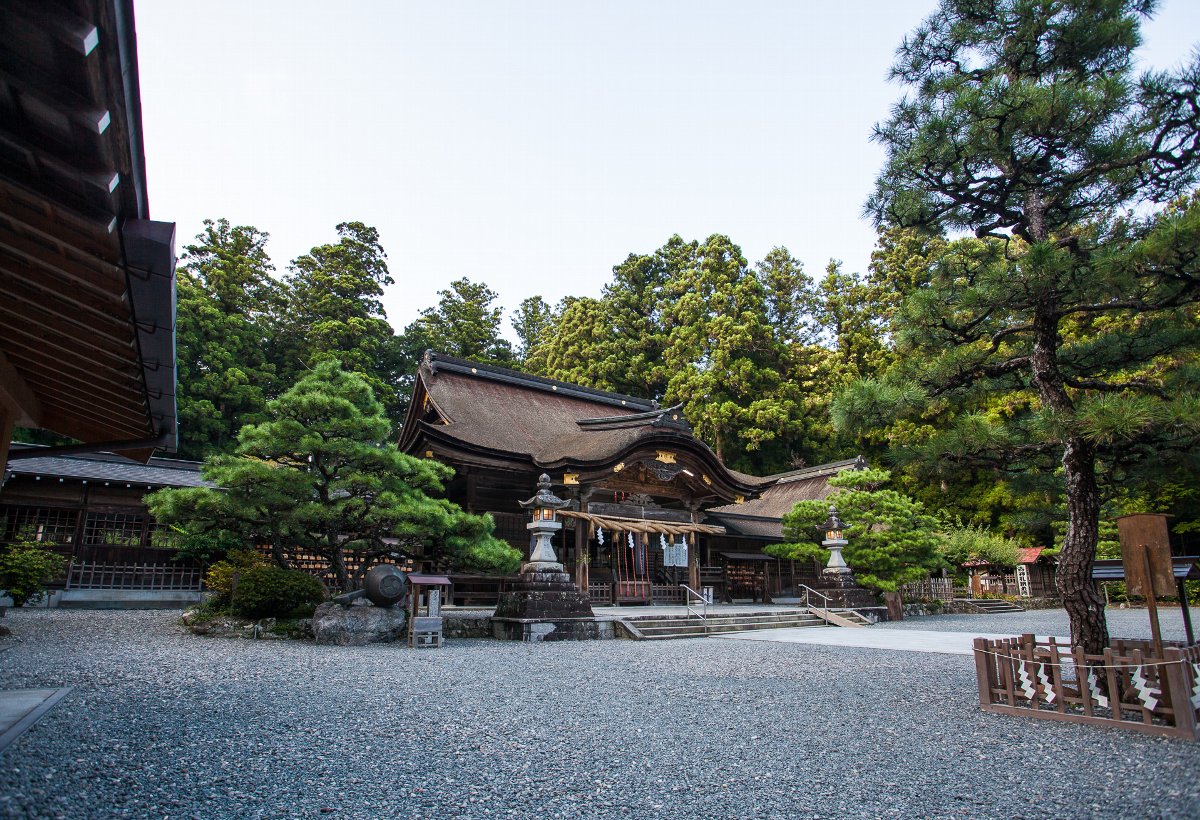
90	575
941	589
601	593
1128	686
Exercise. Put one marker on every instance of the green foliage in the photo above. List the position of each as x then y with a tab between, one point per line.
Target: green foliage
334	313
465	323
220	576
533	320
26	568
275	592
693	324
961	544
226	304
321	476
892	539
1065	334
204	548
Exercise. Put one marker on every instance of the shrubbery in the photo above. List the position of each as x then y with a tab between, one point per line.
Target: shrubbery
26	568
220	576
274	592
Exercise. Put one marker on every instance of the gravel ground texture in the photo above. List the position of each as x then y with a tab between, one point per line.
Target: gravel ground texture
162	723
1122	623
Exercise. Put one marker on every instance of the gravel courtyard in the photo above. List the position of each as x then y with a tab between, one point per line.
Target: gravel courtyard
162	723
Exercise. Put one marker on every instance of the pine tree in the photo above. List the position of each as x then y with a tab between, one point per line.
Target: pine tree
321	476
1027	126
892	539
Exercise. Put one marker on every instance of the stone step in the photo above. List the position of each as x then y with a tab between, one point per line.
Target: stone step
658	629
990	605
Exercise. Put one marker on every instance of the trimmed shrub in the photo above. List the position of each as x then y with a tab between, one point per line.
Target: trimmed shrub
274	592
219	578
26	568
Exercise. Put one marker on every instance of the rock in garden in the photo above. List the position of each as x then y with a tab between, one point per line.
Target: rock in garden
357	625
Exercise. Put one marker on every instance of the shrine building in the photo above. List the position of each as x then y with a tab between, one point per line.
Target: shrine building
652	505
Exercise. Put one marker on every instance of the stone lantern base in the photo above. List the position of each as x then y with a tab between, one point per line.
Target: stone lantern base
546	606
844	592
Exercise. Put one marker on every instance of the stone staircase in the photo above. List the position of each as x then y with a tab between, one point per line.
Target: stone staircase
989	605
662	627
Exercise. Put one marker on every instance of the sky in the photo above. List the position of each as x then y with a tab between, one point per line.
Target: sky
530	145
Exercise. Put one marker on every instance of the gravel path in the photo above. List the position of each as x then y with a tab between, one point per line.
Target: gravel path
162	723
1122	623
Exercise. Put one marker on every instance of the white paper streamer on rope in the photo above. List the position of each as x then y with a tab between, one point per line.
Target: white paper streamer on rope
1196	686
1044	680
600	536
1146	694
662	539
1025	681
1094	688
629	535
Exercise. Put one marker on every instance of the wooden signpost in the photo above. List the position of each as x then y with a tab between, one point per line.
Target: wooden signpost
1146	554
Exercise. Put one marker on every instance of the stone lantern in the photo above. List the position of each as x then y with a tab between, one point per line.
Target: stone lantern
545	524
837	582
834	541
542	603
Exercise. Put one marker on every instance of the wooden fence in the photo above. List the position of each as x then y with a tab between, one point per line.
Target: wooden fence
1128	686
941	589
90	575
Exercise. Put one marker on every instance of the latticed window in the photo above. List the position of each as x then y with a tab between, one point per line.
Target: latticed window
113	529
44	524
162	536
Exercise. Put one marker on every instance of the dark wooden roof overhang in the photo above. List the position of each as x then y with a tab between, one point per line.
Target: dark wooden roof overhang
87	289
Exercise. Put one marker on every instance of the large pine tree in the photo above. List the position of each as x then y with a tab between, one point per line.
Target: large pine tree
1027	126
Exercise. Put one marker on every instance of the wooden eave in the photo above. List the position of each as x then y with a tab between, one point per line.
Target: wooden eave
86	280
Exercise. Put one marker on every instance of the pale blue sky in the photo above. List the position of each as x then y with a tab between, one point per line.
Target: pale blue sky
530	145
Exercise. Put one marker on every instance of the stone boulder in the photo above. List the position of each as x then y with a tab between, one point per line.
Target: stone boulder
357	625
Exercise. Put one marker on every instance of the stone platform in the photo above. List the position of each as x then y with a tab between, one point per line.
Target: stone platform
545	605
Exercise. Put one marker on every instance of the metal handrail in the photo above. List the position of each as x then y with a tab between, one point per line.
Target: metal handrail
810	591
687	602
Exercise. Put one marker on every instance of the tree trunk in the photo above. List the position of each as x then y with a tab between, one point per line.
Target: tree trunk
337	562
1083	604
1089	628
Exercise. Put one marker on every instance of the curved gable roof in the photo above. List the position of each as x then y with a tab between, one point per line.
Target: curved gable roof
543	421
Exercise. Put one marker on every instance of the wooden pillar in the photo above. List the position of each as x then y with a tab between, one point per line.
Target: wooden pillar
694	552
8	420
582	547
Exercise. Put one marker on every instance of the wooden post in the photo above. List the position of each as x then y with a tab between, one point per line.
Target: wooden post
1187	613
1152	603
1176	680
984	664
7	421
694	552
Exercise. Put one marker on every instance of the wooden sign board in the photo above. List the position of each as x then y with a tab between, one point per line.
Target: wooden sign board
1145	536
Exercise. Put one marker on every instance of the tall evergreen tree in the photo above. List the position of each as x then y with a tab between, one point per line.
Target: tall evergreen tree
227	302
334	312
465	323
1026	124
533	321
725	363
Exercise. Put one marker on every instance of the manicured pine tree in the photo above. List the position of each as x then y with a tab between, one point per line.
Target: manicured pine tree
321	476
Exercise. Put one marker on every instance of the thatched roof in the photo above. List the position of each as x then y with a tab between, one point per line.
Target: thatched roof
498	417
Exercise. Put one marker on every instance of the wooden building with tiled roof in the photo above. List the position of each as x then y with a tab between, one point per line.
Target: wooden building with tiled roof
652	505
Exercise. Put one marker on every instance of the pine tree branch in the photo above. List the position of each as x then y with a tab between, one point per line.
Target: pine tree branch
1138	385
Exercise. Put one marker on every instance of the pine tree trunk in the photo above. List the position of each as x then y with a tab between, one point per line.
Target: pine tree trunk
1089	628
